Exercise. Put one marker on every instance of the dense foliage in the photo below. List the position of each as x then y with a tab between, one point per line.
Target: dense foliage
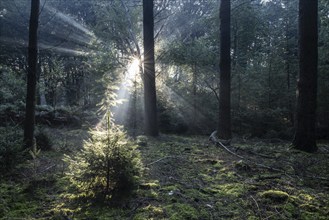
93	40
10	148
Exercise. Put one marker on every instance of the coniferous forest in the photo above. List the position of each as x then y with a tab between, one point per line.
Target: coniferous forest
164	109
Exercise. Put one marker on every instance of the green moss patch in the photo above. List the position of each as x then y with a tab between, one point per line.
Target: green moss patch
181	211
275	195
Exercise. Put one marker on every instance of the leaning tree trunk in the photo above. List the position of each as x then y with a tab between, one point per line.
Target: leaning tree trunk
151	126
224	125
305	138
31	75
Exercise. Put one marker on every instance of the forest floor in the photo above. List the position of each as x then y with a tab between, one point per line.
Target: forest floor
186	177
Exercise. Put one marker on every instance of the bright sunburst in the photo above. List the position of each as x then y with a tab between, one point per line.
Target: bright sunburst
126	87
133	69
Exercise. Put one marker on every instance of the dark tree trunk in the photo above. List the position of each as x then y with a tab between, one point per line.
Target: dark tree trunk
287	68
31	74
224	125
305	138
151	126
194	93
269	95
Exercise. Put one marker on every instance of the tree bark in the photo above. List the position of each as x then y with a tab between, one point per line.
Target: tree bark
194	93
287	68
31	75
224	125
151	125
305	138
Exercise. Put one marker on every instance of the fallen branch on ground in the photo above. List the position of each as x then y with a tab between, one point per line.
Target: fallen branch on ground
213	138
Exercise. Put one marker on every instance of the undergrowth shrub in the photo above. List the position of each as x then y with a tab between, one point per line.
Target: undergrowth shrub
170	120
263	123
10	147
108	166
43	140
12	86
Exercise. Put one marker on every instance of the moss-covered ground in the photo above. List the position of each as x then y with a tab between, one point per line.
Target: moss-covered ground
186	177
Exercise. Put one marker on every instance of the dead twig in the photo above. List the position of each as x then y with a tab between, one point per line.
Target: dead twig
163	158
215	140
48	168
258	211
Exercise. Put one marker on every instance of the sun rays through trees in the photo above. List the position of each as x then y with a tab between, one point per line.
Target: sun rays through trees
106	108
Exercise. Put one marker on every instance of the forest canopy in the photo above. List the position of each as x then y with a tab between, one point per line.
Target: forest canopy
85	42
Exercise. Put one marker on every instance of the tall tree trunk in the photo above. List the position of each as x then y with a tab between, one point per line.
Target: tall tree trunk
224	125
194	93
287	68
305	138
151	125
269	95
134	109
290	108
31	75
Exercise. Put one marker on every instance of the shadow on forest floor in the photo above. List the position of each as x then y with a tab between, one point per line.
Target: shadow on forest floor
186	177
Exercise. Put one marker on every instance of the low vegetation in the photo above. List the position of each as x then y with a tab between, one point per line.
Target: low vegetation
183	177
107	167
